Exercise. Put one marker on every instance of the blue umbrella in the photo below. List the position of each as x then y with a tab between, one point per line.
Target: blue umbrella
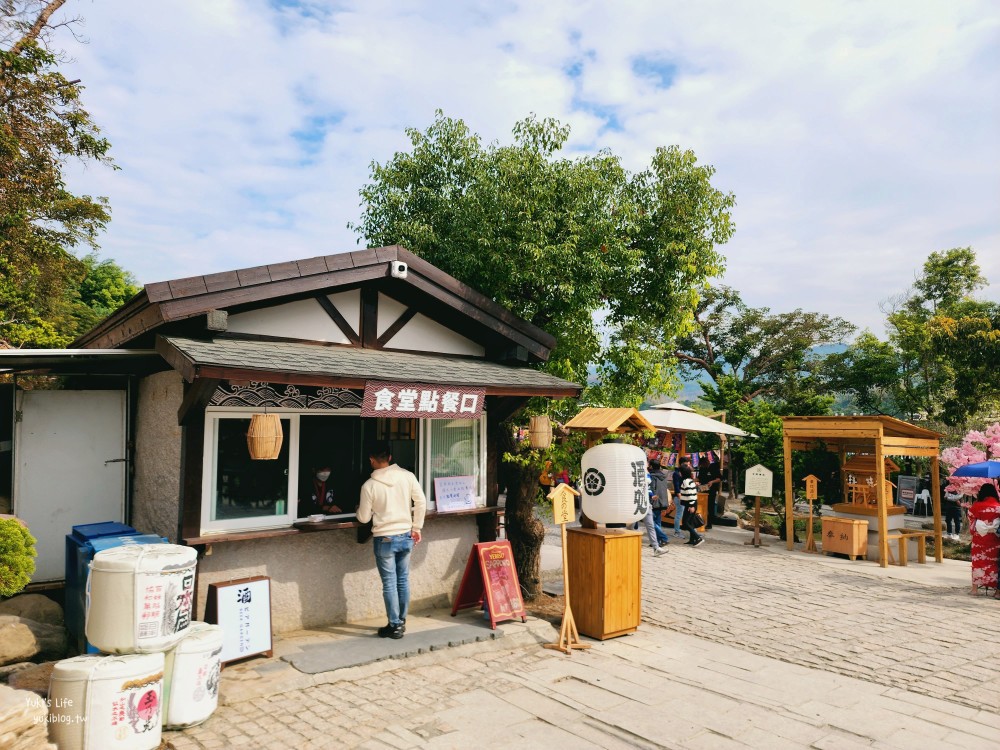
987	469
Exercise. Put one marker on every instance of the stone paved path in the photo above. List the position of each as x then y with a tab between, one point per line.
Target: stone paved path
936	641
741	648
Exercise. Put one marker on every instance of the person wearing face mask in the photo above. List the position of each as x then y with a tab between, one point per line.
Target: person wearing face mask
317	495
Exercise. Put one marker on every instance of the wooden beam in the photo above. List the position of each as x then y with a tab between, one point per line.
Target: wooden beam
912	452
396	327
335	315
905	442
883	516
185	366
192	463
789	500
196	398
831	433
936	496
369	318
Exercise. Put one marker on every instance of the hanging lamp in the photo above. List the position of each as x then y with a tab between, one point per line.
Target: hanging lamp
540	432
264	437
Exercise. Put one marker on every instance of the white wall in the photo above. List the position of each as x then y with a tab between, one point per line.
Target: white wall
304	319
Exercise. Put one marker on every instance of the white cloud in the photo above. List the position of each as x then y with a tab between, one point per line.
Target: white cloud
858	137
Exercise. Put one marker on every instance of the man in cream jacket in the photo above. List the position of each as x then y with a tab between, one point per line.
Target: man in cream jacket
395	504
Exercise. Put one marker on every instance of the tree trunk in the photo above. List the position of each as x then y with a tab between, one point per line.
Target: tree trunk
524	531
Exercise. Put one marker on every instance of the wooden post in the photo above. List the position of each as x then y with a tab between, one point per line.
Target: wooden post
812	493
883	515
756	525
789	500
562	512
936	496
843	480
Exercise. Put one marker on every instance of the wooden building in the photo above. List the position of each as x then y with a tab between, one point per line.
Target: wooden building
346	349
864	444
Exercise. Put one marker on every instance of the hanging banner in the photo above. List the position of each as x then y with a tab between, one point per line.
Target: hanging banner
420	401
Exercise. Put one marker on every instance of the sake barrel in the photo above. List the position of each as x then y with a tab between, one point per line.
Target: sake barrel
139	597
613	486
107	702
191	676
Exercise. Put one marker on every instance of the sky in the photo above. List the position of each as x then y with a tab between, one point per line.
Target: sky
857	137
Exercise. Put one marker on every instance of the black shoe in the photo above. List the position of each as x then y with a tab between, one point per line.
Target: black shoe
699	542
385	631
398	631
392	631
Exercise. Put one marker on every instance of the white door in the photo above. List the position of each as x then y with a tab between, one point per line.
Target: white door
69	448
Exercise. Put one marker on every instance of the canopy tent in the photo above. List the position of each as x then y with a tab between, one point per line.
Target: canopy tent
675	417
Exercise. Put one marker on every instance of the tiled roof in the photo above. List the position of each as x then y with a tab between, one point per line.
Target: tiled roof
351	363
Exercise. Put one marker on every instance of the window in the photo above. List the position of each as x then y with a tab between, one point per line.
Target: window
238	492
455	448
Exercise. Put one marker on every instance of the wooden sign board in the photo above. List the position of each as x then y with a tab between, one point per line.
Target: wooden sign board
563	504
906	488
242	608
454	493
490	572
811	487
759	480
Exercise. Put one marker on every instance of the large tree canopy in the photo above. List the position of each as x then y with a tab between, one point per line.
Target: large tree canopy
42	125
609	262
941	355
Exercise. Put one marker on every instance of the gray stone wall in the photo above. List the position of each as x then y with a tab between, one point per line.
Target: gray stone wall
326	577
156	487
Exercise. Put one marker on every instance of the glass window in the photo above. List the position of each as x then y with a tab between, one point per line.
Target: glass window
239	492
454	451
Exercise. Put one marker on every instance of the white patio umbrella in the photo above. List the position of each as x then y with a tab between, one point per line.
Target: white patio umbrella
675	417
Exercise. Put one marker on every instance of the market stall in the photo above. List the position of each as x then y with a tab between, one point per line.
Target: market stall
864	444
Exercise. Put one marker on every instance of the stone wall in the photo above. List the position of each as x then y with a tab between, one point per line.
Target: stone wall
326	577
156	482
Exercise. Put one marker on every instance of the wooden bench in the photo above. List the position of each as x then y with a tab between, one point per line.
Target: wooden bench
903	536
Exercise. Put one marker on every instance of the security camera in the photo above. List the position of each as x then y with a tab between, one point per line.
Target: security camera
398	269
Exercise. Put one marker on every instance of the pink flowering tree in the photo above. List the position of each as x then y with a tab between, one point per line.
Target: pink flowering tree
976	446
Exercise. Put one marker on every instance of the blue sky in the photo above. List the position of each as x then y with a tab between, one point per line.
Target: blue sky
858	137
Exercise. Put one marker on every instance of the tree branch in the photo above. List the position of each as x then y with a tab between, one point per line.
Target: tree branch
698	361
40	23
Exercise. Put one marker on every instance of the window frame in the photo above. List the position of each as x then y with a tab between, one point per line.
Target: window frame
210	465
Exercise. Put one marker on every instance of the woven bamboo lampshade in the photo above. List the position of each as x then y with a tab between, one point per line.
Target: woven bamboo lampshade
540	432
264	437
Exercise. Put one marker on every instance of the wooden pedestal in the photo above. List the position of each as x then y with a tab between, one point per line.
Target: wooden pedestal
846	536
605	577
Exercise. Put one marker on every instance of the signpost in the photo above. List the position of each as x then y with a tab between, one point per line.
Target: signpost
758	482
562	497
811	494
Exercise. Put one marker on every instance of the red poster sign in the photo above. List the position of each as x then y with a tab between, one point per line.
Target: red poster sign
421	401
490	570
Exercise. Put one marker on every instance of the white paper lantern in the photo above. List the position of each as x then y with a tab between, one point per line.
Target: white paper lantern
614	489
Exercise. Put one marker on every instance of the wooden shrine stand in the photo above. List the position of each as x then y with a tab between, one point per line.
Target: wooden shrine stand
562	512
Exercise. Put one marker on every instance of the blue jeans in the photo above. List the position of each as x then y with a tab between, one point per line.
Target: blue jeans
392	557
678	513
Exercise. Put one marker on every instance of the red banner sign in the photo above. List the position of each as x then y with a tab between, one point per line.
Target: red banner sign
490	574
421	401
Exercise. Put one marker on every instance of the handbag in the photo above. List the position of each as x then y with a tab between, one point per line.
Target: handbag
693	519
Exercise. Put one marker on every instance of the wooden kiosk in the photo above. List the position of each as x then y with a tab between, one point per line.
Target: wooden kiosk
865	444
604	565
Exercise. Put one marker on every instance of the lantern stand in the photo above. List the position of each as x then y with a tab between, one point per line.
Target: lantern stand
562	512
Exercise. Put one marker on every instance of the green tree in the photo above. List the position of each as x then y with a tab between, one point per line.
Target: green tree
969	340
868	371
104	288
755	352
609	262
42	125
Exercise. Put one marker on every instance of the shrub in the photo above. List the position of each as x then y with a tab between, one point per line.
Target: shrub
17	556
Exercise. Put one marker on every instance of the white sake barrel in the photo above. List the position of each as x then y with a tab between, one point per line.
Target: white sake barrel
107	702
613	485
139	597
191	676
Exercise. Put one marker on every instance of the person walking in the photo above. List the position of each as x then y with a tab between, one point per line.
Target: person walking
984	525
677	478
689	500
394	502
952	507
656	482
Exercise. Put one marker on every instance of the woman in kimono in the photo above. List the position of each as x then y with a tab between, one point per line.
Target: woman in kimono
984	521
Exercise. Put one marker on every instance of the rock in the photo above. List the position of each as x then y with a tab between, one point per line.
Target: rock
33	607
22	640
22	721
7	671
35	678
